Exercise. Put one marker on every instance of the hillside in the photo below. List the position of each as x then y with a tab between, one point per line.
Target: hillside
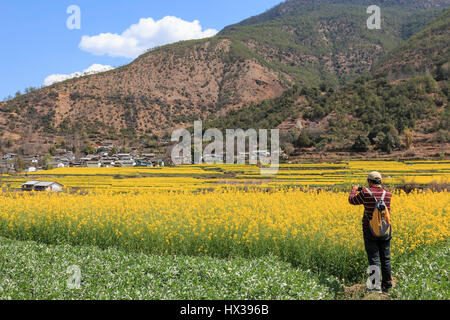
368	115
425	52
298	7
298	42
157	91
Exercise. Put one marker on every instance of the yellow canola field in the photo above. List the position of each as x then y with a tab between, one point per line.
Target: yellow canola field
198	177
314	229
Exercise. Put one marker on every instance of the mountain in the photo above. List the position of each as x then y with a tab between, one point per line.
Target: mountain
159	90
406	98
298	7
304	42
328	41
425	52
380	113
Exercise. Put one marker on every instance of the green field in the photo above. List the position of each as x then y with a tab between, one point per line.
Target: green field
30	270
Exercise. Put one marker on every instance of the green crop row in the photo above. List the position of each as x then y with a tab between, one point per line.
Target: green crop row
30	270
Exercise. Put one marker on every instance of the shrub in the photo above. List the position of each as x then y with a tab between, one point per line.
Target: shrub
362	144
303	141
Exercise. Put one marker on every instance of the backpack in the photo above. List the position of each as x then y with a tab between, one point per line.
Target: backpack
380	223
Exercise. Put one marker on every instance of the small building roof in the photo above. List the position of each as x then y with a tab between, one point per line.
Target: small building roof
30	183
40	183
46	183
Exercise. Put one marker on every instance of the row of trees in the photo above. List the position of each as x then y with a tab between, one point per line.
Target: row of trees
383	138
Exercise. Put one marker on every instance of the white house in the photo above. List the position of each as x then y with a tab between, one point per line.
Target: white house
107	163
42	186
93	164
9	156
28	186
126	163
124	156
48	186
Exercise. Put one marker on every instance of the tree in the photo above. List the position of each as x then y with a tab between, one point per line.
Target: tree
408	138
19	164
386	142
62	144
288	149
52	150
382	128
303	141
29	90
113	151
89	150
443	136
45	162
362	144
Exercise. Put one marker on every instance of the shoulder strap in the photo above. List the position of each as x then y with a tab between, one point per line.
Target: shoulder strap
382	197
371	194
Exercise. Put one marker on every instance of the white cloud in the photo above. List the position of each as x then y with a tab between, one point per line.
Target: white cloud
147	34
95	68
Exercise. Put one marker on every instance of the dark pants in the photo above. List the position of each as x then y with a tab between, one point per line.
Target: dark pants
379	253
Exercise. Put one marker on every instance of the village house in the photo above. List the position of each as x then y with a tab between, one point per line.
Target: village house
28	186
93	164
148	156
60	151
9	156
30	169
56	164
126	163
144	163
91	157
6	166
32	159
75	164
108	162
124	156
42	186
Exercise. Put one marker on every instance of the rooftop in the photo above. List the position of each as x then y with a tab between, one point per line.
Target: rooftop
40	183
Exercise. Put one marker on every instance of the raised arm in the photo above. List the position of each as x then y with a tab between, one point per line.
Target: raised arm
356	198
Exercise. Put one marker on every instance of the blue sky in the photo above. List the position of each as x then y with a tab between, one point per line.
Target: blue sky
36	42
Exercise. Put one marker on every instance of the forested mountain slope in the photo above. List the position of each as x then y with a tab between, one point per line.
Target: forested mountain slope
300	42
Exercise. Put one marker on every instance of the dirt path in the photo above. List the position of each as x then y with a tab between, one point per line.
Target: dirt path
360	292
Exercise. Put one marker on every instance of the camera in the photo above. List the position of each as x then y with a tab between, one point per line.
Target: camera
360	189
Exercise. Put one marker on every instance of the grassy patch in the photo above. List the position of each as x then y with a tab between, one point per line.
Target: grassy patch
29	270
424	275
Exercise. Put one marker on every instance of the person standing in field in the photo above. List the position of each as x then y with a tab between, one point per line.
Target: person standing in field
378	249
